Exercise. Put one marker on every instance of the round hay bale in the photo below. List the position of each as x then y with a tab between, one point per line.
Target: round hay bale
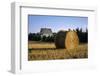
72	40
60	39
66	39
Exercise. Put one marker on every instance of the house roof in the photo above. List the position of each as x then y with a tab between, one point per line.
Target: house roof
45	31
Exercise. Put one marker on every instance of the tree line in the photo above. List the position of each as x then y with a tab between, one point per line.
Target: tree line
38	37
83	36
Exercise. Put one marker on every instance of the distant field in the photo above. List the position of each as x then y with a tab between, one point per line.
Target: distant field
47	51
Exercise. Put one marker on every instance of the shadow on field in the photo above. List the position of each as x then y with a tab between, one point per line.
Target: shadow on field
42	49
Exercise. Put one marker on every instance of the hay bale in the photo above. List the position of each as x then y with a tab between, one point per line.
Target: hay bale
60	39
72	40
68	40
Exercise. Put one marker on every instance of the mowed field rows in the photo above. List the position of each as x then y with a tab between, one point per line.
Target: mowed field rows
48	51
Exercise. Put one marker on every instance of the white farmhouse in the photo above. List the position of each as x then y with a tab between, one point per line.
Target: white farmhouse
46	32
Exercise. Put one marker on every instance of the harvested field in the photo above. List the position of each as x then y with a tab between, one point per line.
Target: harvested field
47	51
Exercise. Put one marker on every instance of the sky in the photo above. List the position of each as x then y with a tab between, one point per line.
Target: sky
56	23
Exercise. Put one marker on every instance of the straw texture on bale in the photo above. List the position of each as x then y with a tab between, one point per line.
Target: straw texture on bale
72	40
66	39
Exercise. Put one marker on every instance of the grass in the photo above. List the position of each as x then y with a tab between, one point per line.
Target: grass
48	51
